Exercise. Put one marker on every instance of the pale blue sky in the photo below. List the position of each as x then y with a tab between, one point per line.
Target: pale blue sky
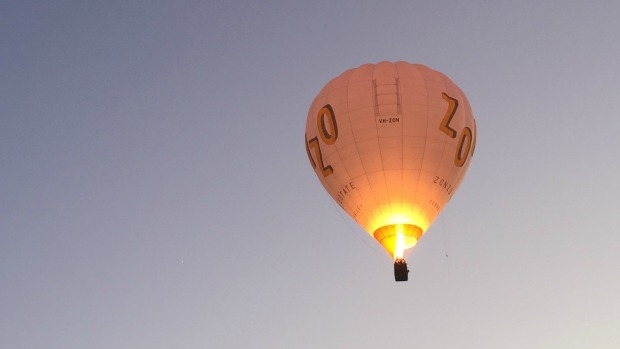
155	191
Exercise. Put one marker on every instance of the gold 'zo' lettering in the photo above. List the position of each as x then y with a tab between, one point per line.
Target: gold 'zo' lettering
308	152
444	126
467	140
328	136
314	143
460	156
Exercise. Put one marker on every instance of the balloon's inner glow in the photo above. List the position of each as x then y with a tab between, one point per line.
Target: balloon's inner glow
397	239
399	249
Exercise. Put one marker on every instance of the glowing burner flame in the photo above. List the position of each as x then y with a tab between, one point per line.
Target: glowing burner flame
399	250
398	239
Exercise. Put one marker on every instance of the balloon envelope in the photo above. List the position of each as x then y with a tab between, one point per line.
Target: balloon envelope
391	142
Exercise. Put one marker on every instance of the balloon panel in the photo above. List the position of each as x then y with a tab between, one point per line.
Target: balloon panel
391	143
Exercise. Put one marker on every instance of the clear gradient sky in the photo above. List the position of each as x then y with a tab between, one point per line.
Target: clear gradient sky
155	191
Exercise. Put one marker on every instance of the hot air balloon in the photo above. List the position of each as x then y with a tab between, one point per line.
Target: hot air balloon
391	143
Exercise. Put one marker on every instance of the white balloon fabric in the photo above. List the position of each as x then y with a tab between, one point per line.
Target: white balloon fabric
391	142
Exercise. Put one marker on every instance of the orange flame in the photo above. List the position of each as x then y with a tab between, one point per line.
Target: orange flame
399	250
